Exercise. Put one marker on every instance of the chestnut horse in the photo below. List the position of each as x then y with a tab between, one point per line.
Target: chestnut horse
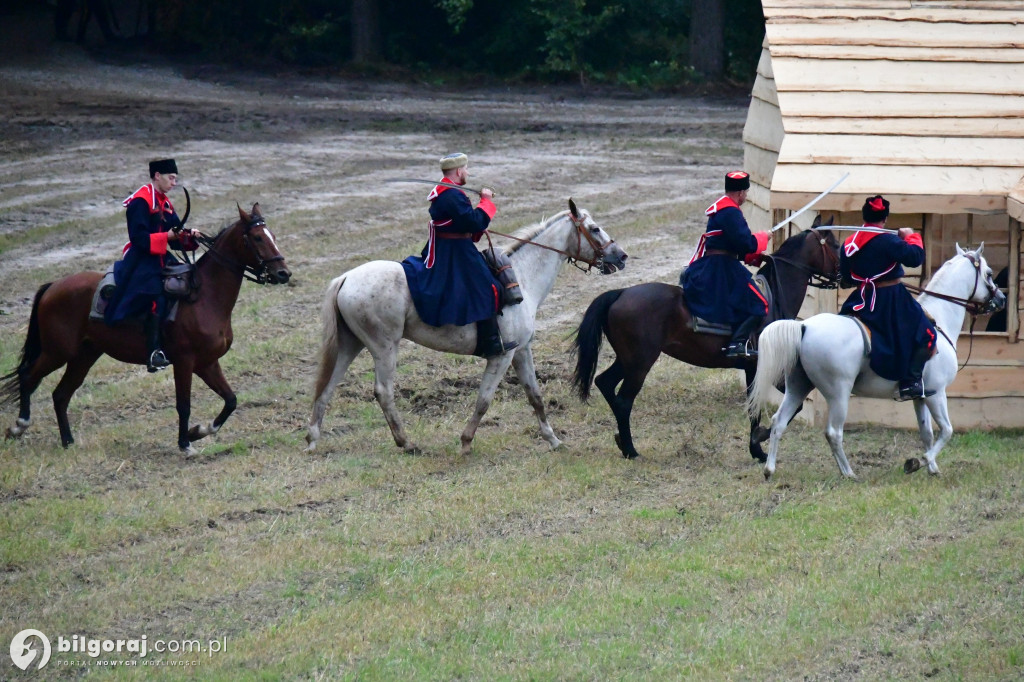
646	320
60	331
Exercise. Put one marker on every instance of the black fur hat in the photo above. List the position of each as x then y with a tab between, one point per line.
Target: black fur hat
163	166
737	181
875	209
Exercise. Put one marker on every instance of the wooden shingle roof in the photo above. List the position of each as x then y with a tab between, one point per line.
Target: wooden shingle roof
920	100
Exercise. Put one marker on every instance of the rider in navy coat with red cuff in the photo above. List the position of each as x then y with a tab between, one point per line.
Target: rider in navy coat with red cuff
902	336
716	286
153	228
450	282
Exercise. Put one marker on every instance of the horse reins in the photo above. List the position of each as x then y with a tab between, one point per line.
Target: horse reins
815	279
973	309
581	233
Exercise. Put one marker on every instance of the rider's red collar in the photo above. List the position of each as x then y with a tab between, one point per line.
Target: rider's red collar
436	192
858	240
724	202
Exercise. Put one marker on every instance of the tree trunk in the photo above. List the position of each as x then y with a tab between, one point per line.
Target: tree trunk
707	42
366	40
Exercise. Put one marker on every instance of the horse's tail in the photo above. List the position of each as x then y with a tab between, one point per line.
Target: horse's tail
330	318
10	390
587	344
778	351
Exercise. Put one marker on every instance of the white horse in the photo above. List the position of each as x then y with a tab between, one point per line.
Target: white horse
370	307
828	352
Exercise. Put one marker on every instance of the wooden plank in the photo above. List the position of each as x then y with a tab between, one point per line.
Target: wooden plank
1006	55
760	163
888	150
900	104
764	90
763	127
877	33
1015	201
870	4
972	13
959	127
909	179
966	413
764	63
882	76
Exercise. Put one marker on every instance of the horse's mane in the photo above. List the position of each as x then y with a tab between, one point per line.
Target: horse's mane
792	245
530	231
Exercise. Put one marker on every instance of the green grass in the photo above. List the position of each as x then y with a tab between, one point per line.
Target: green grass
515	562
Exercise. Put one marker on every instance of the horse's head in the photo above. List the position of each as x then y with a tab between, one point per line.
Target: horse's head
814	252
985	293
823	251
259	253
592	244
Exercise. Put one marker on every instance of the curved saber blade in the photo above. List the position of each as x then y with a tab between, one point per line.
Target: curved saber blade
812	202
188	205
436	182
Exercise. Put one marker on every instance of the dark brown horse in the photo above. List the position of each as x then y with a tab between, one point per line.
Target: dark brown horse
646	320
60	331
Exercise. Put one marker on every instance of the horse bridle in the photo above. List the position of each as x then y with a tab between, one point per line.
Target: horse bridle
581	233
973	308
256	274
816	279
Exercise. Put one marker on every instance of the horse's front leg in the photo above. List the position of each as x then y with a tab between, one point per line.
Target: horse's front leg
522	361
183	402
496	368
213	375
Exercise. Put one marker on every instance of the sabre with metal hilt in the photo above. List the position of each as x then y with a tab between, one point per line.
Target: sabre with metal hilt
811	203
441	183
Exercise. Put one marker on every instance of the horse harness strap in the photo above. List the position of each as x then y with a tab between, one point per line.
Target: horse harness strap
581	234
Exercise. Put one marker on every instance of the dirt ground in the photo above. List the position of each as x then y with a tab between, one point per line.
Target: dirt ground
79	127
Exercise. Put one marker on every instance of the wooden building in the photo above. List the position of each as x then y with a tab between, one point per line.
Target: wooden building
921	101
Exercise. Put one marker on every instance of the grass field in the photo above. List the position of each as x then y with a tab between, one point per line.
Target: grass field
516	562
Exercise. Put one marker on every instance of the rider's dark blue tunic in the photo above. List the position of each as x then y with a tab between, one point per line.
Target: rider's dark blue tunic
150	216
874	262
450	283
716	286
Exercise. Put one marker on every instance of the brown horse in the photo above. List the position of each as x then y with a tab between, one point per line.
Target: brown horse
646	320
60	331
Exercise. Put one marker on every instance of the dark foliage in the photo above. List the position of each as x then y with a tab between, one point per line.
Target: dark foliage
636	43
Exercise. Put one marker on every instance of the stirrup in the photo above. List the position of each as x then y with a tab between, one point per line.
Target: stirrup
913	390
157	361
496	349
740	349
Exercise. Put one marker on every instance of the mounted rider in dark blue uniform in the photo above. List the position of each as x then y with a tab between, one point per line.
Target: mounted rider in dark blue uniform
450	282
716	286
902	336
153	227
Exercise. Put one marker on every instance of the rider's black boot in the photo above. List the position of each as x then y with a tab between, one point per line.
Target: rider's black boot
151	328
737	347
912	387
488	339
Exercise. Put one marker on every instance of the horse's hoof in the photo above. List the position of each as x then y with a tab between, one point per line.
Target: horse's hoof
760	435
911	465
311	447
767	474
556	444
758	455
189	451
416	450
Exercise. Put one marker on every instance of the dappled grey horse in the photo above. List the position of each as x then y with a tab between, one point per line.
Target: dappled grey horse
370	307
